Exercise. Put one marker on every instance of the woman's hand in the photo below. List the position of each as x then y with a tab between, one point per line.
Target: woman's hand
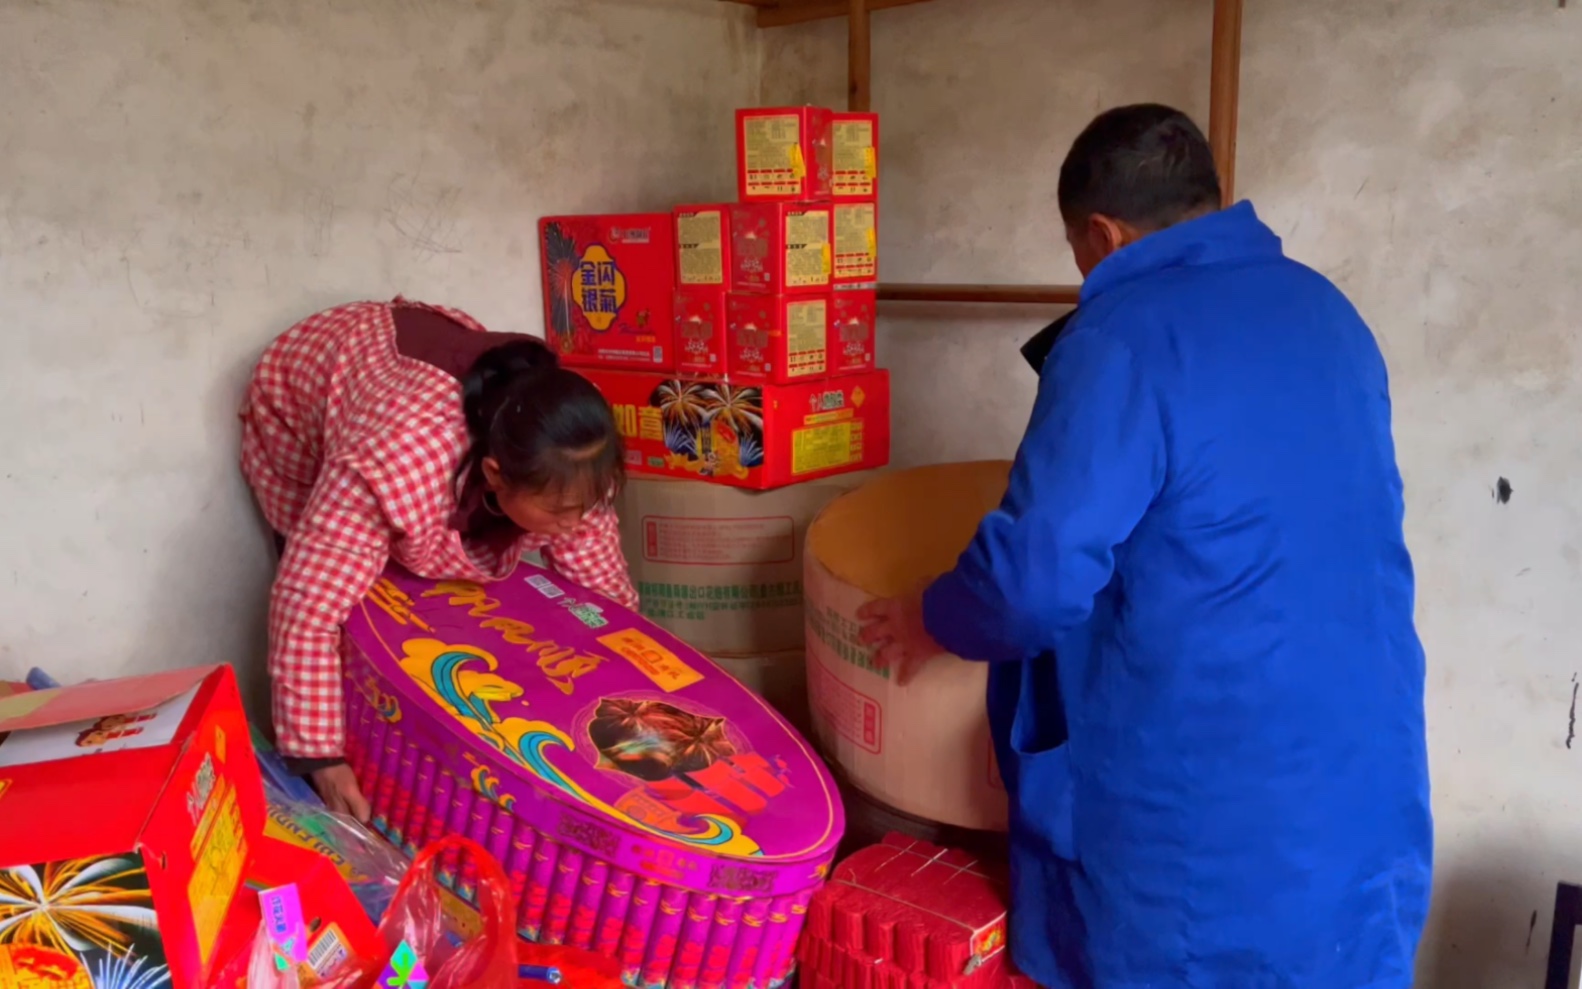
894	628
337	785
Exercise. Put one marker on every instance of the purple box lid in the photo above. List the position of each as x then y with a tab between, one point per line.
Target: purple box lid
582	700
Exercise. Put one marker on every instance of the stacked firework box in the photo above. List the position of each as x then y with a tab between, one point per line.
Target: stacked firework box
735	341
905	914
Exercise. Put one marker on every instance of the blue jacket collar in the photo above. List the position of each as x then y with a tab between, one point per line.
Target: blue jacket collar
1230	234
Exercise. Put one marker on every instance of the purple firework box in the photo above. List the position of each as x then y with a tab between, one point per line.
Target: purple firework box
644	803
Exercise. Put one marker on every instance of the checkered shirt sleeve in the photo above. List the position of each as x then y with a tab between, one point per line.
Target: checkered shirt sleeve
334	555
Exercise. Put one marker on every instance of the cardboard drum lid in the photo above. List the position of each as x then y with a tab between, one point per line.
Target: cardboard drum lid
598	728
924	748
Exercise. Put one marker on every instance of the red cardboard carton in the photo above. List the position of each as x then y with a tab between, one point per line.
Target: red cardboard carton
703	246
781	248
700	332
128	812
855	156
779	338
608	285
750	436
853	322
783	153
856	239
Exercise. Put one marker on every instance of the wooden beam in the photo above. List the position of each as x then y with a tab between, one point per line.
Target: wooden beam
1225	93
859	58
1042	295
784	14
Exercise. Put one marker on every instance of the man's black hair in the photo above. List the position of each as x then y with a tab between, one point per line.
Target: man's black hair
1146	165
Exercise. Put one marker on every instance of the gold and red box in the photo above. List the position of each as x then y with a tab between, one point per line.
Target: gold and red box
750	435
782	248
701	342
129	810
779	338
853	328
783	153
609	284
854	172
855	235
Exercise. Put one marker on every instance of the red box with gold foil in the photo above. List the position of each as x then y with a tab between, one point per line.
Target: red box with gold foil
783	154
703	246
778	338
700	331
608	284
782	248
748	435
128	812
854	140
855	234
853	326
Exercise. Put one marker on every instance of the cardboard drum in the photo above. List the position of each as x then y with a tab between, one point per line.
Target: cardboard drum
645	805
924	748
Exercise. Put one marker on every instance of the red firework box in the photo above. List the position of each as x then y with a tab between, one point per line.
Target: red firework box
129	812
855	234
853	326
782	248
854	174
750	436
703	246
608	289
700	332
778	338
783	154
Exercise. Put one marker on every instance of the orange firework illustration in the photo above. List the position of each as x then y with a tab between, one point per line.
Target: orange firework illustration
26	967
78	905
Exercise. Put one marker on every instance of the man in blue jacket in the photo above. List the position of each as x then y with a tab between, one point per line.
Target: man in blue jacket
1206	691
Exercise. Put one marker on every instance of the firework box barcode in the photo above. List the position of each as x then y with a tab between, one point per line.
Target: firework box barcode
750	436
128	812
608	285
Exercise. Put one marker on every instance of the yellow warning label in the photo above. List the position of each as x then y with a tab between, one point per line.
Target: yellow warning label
807	337
220	850
856	164
856	242
652	660
772	147
817	448
700	238
807	248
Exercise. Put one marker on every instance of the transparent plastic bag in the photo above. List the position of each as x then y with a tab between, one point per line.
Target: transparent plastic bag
372	867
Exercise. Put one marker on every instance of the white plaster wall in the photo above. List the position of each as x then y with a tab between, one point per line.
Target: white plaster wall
1427	155
180	180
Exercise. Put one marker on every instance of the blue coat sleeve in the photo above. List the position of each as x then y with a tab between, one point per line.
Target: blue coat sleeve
1092	462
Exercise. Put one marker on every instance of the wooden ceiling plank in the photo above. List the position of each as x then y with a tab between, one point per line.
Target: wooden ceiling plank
785	15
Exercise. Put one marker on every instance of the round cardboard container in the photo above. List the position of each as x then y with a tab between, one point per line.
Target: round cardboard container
922	749
720	567
779	678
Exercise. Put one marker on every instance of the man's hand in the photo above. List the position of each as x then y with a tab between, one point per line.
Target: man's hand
337	785
894	628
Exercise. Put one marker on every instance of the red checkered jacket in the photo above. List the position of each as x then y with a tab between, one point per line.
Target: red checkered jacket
351	448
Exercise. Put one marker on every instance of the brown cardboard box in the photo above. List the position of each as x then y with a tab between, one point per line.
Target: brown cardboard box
721	567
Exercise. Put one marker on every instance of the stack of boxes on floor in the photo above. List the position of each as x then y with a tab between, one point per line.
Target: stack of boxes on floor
735	342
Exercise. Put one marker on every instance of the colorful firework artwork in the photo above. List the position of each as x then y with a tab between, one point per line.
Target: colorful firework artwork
80	924
711	427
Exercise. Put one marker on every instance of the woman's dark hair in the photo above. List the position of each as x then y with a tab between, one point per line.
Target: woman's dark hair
547	427
1148	165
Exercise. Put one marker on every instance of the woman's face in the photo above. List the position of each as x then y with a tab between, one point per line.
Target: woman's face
556	512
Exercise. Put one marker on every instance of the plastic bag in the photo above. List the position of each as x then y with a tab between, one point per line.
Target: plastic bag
372	867
418	937
417	921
